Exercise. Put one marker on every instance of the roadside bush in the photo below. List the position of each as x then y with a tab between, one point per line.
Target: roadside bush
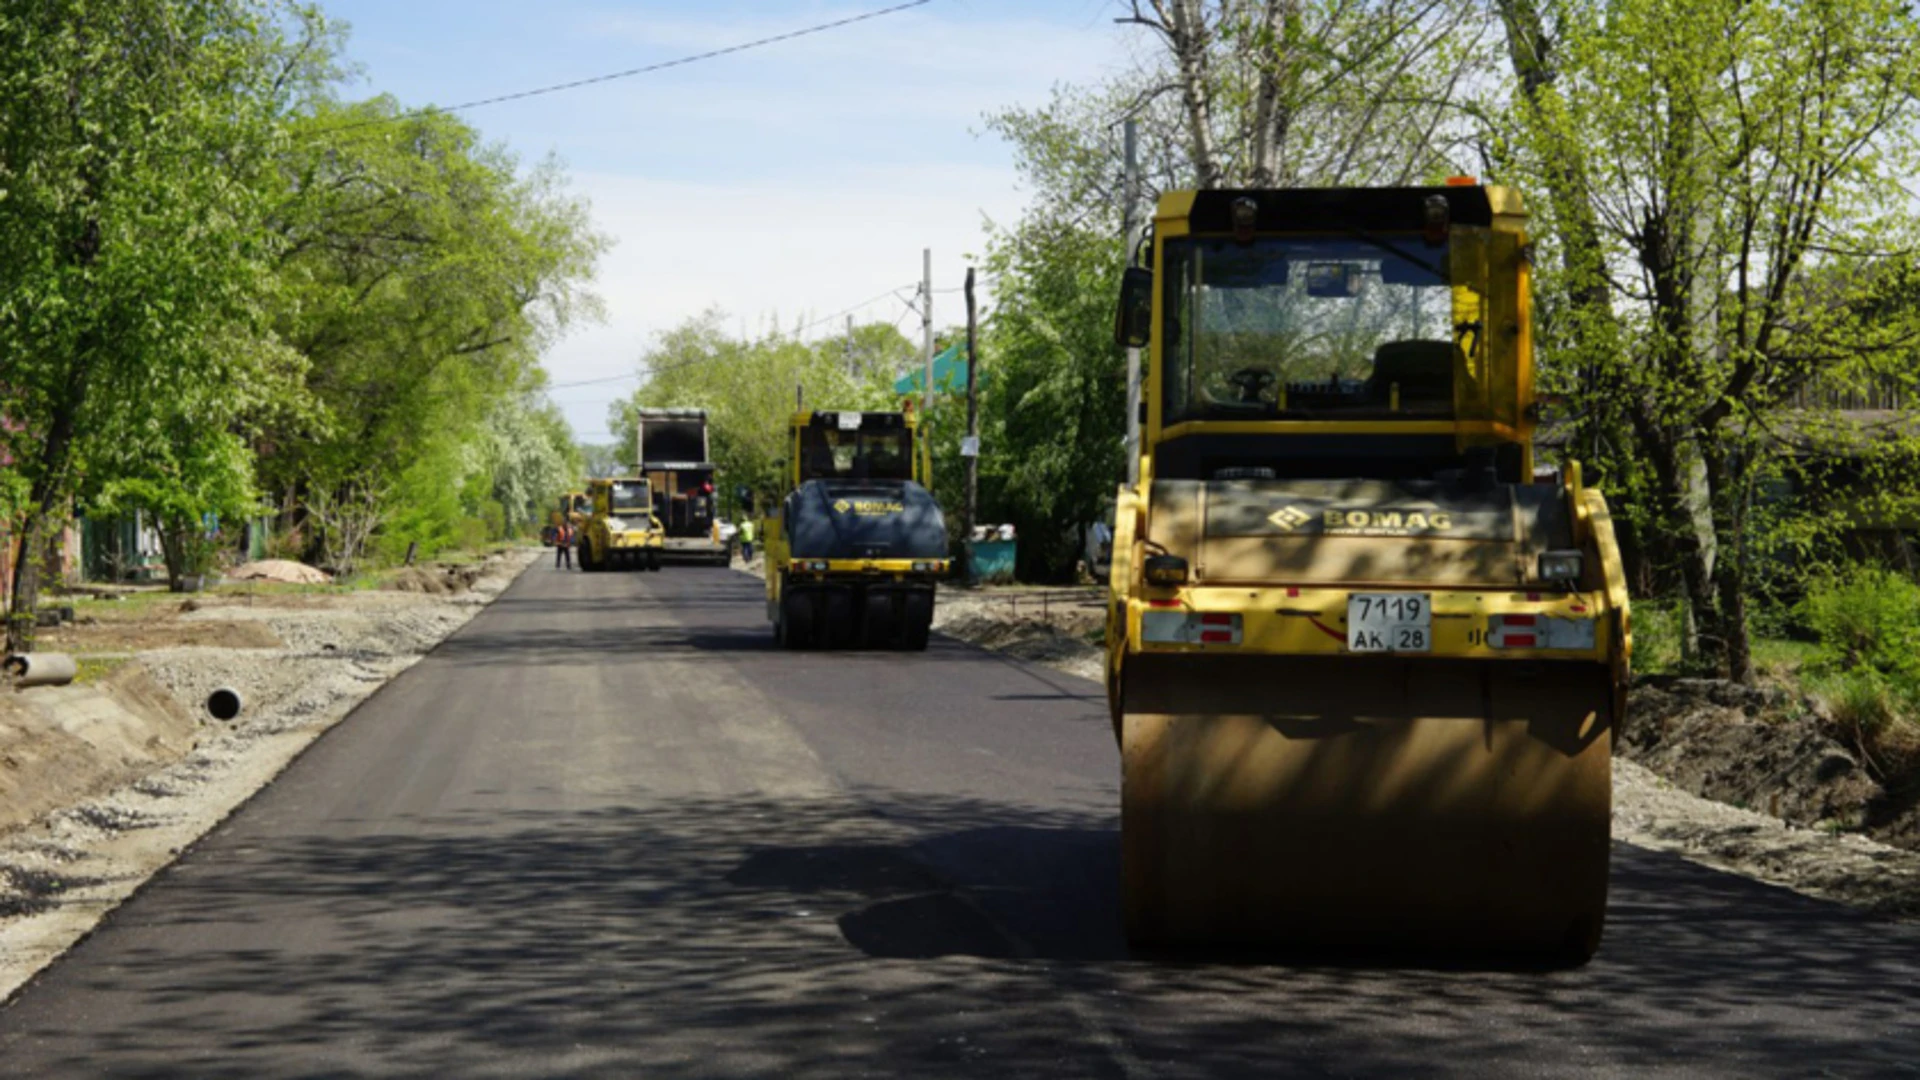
1656	637
1866	619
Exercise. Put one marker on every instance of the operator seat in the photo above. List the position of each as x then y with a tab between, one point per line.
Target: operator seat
1423	369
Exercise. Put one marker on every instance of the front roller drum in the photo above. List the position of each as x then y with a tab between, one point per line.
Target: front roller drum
1374	804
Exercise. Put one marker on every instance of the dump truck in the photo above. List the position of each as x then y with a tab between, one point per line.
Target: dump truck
1365	657
854	549
620	532
572	509
672	449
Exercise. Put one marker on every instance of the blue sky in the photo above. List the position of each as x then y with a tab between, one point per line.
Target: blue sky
784	182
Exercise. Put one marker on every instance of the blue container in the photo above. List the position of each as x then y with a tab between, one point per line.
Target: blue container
990	562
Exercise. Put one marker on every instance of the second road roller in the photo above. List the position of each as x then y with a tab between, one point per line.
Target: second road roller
1366	657
855	548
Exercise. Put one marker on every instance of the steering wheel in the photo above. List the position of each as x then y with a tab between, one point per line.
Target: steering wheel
1252	383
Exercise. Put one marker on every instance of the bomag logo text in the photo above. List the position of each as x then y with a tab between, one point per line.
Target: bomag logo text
1388	522
868	506
1289	518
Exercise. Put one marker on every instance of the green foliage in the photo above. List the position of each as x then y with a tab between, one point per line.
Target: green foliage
1866	619
1055	447
137	141
1656	637
1722	207
748	388
423	272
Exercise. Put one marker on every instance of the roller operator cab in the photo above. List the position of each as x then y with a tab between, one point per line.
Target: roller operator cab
620	531
855	548
1365	664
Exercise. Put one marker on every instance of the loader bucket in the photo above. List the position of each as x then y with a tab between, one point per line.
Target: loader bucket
1303	803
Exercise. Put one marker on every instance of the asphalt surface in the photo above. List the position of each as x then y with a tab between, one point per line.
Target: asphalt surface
608	830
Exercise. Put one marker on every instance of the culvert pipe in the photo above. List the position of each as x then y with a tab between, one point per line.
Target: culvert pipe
225	703
41	669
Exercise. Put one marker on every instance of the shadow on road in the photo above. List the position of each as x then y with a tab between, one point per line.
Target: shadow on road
747	936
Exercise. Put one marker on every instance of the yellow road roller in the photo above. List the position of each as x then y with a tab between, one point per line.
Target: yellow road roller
856	548
1365	658
620	531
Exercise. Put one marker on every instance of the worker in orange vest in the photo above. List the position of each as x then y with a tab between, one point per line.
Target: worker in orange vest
563	546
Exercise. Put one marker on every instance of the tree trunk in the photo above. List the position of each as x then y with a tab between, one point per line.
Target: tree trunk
1674	517
1185	23
1271	116
1726	491
48	489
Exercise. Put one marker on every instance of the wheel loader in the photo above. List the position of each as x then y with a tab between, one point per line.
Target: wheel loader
1365	657
620	531
855	548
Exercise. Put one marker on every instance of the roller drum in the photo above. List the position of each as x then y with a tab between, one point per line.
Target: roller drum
1366	803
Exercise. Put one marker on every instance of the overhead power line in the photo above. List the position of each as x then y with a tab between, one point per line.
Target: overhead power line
819	28
804	327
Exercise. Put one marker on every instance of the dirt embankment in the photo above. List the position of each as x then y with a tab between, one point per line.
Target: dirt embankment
1740	779
104	782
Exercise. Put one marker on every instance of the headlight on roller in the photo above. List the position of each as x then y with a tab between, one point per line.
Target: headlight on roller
616	525
1563	566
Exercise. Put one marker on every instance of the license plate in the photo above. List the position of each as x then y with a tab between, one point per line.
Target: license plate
1389	622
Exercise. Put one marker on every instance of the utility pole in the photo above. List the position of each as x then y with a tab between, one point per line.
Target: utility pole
1132	198
970	447
850	371
926	329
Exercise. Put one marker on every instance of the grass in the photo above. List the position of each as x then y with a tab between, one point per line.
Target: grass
94	669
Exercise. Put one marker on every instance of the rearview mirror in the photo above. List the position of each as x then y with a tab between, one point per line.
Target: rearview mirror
1133	327
1332	280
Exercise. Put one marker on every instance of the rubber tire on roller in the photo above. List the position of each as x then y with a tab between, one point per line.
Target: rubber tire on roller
881	625
840	619
917	615
801	620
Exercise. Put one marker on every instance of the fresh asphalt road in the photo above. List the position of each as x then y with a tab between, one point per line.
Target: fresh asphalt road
608	830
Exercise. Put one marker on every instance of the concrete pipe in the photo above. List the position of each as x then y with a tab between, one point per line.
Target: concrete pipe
41	669
224	703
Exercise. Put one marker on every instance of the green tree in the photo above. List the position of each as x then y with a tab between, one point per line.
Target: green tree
751	388
423	271
1726	227
133	146
529	458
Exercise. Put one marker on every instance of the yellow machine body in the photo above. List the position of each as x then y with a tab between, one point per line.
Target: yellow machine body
620	531
1364	665
855	547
